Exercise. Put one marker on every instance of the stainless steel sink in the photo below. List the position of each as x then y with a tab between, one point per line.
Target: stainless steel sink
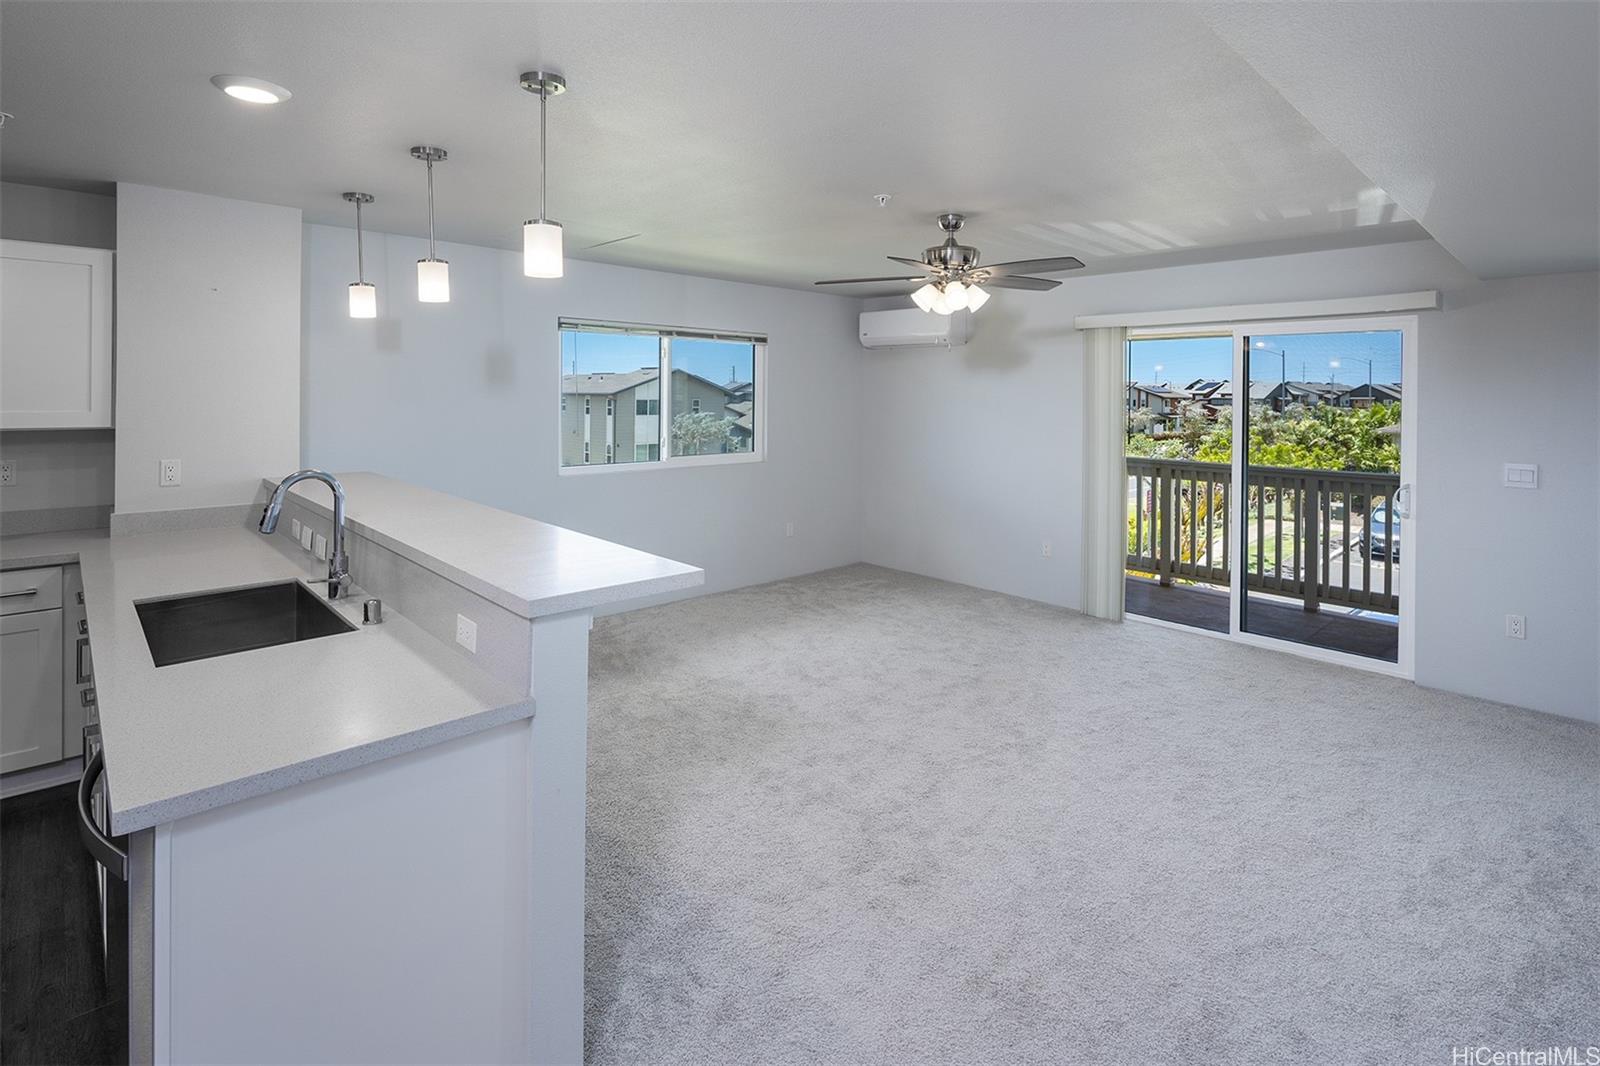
207	624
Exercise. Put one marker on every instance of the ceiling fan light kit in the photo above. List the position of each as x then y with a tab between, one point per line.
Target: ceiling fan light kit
541	237
952	279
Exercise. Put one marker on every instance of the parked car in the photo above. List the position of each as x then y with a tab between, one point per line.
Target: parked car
1385	536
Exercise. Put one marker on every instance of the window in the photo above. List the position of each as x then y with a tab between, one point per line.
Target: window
691	396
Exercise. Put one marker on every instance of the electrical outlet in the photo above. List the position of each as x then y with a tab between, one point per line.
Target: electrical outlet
319	546
170	474
1044	549
1517	627
305	537
294	528
8	472
467	633
788	529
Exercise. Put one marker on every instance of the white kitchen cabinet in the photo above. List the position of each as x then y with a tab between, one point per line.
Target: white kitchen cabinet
30	689
55	336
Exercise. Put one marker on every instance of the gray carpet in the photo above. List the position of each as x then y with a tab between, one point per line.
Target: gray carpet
863	816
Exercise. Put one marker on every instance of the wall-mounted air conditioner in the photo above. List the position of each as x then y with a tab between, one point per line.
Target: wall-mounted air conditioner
913	328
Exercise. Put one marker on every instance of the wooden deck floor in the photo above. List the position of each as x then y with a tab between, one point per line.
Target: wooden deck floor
1207	608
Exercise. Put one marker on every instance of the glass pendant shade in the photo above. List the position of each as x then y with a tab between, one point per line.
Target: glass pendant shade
976	297
541	249
433	281
363	297
955	296
363	300
924	297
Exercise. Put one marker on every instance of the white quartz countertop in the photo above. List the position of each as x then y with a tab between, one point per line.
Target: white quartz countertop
189	737
529	567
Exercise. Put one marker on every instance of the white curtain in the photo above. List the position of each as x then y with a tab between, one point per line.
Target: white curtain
1105	481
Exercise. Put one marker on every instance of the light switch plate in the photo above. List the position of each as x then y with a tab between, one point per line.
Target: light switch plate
170	473
1521	476
305	537
467	633
319	546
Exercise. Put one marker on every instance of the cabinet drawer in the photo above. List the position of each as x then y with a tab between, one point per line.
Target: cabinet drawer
30	590
30	689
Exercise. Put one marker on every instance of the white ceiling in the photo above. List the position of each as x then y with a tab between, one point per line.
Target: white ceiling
738	140
1481	120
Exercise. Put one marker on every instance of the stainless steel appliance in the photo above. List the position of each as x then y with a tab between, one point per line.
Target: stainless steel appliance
94	825
77	663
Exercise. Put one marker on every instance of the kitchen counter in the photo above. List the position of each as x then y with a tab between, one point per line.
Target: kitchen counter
243	779
529	567
189	737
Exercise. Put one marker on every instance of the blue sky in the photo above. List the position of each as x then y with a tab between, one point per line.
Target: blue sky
1308	357
616	352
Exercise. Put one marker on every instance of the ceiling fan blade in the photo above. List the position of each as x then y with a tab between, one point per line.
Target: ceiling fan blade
864	281
919	264
1032	266
1033	284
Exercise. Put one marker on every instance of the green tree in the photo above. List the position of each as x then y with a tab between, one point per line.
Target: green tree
1321	437
699	433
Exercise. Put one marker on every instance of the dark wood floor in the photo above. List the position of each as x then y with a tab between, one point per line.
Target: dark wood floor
1207	608
60	1001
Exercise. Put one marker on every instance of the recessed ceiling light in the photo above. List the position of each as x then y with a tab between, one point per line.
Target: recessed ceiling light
251	90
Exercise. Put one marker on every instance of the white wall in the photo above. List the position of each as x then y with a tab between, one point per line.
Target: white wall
208	346
972	456
462	397
57	216
1509	374
58	468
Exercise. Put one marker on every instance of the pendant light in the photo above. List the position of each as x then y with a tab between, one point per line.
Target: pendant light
541	237
433	273
363	297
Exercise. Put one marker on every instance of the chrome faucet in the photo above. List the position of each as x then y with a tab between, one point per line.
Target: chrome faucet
338	564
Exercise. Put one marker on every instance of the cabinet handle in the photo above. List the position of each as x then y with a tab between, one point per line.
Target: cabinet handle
83	646
19	592
106	853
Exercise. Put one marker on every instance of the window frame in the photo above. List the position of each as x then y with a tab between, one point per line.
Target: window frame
667	461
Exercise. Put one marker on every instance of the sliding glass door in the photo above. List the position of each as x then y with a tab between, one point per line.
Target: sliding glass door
1324	500
1269	469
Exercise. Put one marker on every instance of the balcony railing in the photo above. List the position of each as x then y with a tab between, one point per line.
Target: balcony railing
1308	533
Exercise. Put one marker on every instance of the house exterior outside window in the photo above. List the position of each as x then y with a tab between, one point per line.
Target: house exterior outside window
671	396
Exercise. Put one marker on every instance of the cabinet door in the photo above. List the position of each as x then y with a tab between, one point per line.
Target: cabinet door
55	336
30	689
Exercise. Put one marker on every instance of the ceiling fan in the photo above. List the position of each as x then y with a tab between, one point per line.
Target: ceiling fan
951	277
